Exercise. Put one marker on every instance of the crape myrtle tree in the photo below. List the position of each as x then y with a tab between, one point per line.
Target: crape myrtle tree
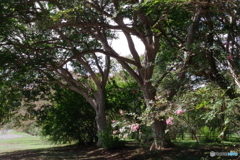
65	56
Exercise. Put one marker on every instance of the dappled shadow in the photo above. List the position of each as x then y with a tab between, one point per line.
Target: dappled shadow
70	152
130	152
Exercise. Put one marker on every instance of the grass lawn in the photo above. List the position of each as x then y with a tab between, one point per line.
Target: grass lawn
29	147
22	143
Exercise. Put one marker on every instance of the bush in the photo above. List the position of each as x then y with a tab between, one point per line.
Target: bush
109	141
209	135
70	119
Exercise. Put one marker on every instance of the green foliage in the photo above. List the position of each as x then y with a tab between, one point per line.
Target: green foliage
209	112
109	141
69	119
127	126
208	135
11	93
123	93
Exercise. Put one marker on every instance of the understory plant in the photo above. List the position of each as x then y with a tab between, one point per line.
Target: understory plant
108	140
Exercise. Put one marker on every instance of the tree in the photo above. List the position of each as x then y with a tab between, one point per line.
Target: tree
50	52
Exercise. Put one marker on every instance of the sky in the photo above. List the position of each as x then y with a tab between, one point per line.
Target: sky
121	47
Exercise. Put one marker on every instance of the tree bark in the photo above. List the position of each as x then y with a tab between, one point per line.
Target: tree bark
159	127
161	139
100	112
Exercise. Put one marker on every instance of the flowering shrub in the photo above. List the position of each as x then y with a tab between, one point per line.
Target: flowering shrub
108	141
134	127
179	111
121	112
169	120
126	125
131	125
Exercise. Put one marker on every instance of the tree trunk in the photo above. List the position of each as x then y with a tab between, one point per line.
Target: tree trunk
100	112
101	119
159	127
161	139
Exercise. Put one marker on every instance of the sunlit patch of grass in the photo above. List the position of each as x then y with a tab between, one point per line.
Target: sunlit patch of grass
22	143
18	133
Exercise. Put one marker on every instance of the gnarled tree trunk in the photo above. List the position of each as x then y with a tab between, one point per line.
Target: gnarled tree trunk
161	139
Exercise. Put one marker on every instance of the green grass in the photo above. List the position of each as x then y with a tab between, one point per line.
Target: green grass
193	143
22	143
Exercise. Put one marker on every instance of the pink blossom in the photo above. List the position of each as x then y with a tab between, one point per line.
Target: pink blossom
125	136
115	132
169	120
145	82
114	121
121	112
230	57
179	111
134	126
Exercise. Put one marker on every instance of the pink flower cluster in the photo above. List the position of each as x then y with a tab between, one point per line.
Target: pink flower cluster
179	111
134	126
125	136
230	57
115	132
121	112
169	120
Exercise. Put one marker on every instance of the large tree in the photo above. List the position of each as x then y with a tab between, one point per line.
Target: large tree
64	56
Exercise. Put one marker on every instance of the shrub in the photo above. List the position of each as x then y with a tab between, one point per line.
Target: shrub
69	119
109	141
209	135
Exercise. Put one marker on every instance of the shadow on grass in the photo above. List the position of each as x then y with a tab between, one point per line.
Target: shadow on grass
69	152
132	151
189	150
